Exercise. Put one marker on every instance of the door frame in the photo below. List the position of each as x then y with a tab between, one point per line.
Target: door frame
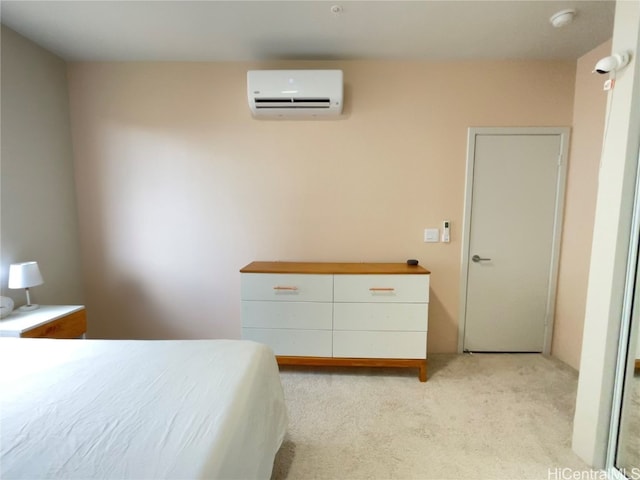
629	330
473	132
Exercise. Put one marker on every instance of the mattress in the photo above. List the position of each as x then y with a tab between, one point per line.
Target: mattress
84	409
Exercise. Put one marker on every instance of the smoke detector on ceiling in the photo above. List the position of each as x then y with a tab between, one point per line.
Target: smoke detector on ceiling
562	18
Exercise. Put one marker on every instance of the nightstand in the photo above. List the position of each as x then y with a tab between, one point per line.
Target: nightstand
48	321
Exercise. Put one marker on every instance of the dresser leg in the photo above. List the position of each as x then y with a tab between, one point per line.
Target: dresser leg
423	371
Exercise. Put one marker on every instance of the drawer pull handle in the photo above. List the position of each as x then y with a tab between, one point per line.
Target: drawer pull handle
293	289
382	289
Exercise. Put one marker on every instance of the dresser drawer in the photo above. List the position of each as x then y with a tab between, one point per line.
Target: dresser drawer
381	288
300	315
380	344
313	343
380	316
286	287
69	326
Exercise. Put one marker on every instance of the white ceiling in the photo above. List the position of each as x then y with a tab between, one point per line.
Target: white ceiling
296	30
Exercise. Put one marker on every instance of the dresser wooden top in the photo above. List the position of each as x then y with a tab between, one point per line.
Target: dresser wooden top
334	268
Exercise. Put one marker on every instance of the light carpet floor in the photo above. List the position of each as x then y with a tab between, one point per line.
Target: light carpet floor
482	416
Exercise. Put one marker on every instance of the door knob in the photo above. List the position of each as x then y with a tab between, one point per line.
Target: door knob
478	258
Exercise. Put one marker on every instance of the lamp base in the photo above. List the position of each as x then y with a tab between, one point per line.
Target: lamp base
28	308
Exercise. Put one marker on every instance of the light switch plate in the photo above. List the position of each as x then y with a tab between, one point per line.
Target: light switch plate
432	235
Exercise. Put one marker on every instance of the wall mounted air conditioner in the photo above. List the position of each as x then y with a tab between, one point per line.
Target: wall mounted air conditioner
295	93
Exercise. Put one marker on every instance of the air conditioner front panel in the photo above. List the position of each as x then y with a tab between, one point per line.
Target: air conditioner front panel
294	93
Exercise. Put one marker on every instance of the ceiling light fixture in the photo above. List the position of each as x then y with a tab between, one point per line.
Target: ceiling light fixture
562	18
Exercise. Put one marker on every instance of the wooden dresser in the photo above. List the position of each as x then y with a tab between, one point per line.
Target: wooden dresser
47	321
338	314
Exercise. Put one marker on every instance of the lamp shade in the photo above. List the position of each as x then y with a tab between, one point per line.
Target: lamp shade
24	275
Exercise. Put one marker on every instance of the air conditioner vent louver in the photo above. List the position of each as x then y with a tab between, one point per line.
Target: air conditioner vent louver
293	102
294	93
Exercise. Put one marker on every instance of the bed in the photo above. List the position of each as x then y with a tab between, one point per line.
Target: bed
127	409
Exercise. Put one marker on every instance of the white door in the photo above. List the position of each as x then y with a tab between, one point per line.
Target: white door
514	196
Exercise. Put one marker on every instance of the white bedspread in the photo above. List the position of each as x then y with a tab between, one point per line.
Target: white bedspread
86	409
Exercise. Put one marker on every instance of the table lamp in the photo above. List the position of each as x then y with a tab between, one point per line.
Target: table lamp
25	275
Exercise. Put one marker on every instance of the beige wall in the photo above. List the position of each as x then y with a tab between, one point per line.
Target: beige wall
178	187
589	108
39	217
